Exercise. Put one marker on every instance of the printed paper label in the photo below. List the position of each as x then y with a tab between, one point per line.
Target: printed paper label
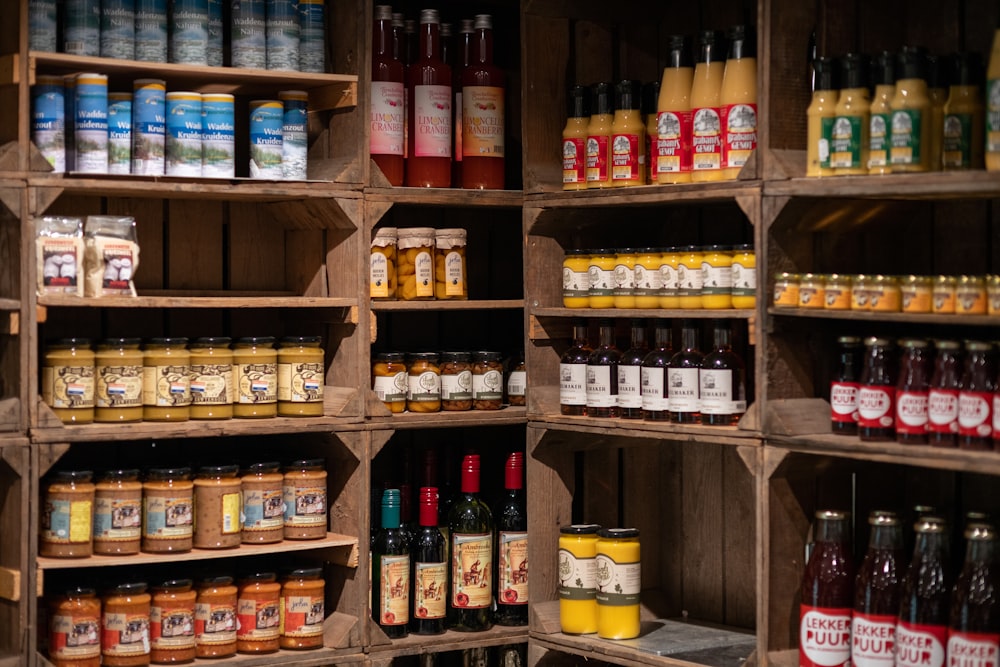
482	121
387	113
432	121
471	570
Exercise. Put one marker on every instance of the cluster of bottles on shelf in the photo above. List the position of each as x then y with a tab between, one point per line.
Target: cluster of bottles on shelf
700	122
941	392
169	512
170	380
712	277
261	34
916	615
178	619
80	127
437	109
418	264
654	384
94	259
461	566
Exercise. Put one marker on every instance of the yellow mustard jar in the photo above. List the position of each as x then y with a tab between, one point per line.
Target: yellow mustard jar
68	380
576	279
689	277
118	369
578	578
211	378
943	294
970	296
786	290
602	278
744	276
619	581
648	281
166	380
670	291
860	284
301	373
993	295
624	290
382	265
837	292
717	277
256	381
915	293
884	295
812	290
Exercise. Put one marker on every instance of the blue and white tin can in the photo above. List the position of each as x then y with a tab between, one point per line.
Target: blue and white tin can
215	30
82	28
248	46
48	120
312	36
119	133
149	126
184	134
118	29
151	31
218	136
189	32
69	116
294	135
266	120
42	25
91	131
283	34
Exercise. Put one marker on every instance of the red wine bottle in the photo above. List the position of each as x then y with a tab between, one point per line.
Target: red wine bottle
512	547
470	525
430	568
390	571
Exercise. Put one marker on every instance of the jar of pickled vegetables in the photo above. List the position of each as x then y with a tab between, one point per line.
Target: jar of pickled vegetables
744	276
456	381
884	294
717	277
382	265
118	513
624	285
943	294
860	286
125	626
670	261
389	380
256	367
915	294
993	295
215	618
75	628
690	280
302	608
812	290
68	380
171	622
415	270
218	504
487	381
618	583
304	491
578	578
258	614
449	264
786	290
118	370
423	383
576	279
168	510
647	278
166	380
837	292
602	278
211	378
300	377
67	515
970	296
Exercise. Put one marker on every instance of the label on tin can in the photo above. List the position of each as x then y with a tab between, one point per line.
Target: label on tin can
312	36
48	121
213	52
189	32
183	134
294	137
120	133
118	29
82	27
248	48
149	127
42	25
283	34
217	136
266	120
91	131
151	31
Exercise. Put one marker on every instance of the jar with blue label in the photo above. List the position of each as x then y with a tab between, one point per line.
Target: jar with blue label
67	515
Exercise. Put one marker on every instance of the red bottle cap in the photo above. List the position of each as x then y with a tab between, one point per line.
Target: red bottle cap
470	473
428	506
514	471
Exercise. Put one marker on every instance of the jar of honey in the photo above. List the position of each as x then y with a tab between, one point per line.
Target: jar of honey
487	381
256	381
689	277
263	503
860	287
647	279
118	513
166	380
171	622
211	378
168	510
619	582
624	285
943	294
218	503
744	276
993	295
75	628
301	376
576	279
884	294
786	290
67	515
602	278
125	626
812	290
915	293
118	369
389	380
302	614
578	578
423	383
837	292
449	264
670	261
970	296
304	491
717	277
215	618
68	380
456	381
382	265
258	614
415	270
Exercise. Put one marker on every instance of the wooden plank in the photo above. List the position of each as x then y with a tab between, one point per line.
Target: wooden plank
194	246
739	531
307	274
256	249
702	511
543	127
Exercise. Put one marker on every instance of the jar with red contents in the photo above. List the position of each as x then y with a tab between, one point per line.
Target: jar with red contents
844	387
911	393
975	397
942	396
877	393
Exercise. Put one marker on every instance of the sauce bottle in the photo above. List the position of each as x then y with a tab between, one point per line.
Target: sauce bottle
974	628
482	113
849	142
821	114
844	387
963	115
653	375
464	58
876	592
387	109
706	134
942	395
738	99
922	629
910	122
827	584
630	373
599	137
650	95
428	85
511	544
975	397
993	106
938	84
876	394
602	374
573	373
884	80
628	137
722	381
911	393
674	117
682	377
574	146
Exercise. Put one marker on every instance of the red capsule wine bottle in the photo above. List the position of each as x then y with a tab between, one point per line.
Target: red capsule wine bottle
512	547
470	526
429	576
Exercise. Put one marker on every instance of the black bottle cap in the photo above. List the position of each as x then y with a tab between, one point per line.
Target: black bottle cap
911	63
884	69
938	71
967	69
578	102
742	42
628	94
711	47
650	97
826	73
601	99
854	69
680	51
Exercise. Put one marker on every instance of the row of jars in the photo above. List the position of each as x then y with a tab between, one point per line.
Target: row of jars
418	264
169	512
692	277
178	620
171	380
448	381
944	295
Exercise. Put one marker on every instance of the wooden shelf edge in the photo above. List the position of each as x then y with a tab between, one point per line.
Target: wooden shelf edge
647	313
932	185
10	584
509	415
722	435
9	305
446	305
644	195
310	658
198	300
450	640
870	316
446	197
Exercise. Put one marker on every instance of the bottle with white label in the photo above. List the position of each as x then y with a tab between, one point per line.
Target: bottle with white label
877	393
876	593
387	103
573	373
922	628
974	629
682	378
653	375
722	380
827	587
630	373
602	374
911	392
706	136
429	100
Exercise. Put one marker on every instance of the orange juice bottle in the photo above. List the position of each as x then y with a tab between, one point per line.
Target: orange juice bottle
673	122
738	100
706	137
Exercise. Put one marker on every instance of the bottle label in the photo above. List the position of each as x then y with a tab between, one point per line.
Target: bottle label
716	279
878	140
974	413
648	282
168	518
457	387
744	280
577	577
706	140
424	387
378	276
482	121
117	519
920	645
263	509
845	142
654	390
394	593
873	638
618	584
488	386
517	383
911	412
957	148
825	139
689	280
301	615
624	280
471	570
668	276
739	123
905	138
124	634
513	568
973	649
258	620
305	505
431	121
258	383
171	628
430	587
993	115
67	522
996	416
166	386
69	387
391	388
942	411
875	406
211	384
214	623
626	157
387	114
300	382
599	390
574	161
844	402
572	384
716	393
824	637
597	158
629	386
673	142
602	281
74	637
575	283
683	392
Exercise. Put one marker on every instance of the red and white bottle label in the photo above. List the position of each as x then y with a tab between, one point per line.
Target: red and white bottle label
873	640
626	157
844	402
942	411
996	416
911	412
875	409
975	416
574	161
597	158
973	649
739	134
673	142
824	637
920	645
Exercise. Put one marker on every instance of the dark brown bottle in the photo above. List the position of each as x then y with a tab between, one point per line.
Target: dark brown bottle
630	373
911	392
682	378
722	381
827	585
655	391
602	373
942	395
974	628
922	630
975	397
876	592
876	393
573	373
844	386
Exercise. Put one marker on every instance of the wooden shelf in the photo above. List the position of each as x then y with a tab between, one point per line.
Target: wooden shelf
636	428
201	300
465	419
934	185
9	305
871	316
446	197
311	658
646	195
648	313
447	305
449	641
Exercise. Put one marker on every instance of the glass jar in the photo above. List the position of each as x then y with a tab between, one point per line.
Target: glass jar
256	381
837	292
263	503
624	285
744	276
970	296
302	599
171	623
118	369
68	380
717	277
943	295
423	383
118	513
415	270
304	492
456	381
915	292
75	629
382	265
217	501
487	381
993	295
884	295
168	510
125	626
812	290
450	277
67	515
576	279
859	292
578	578
300	377
786	290
211	378
166	380
389	380
602	278
258	614
689	277
618	583
517	382
647	279
215	618
670	296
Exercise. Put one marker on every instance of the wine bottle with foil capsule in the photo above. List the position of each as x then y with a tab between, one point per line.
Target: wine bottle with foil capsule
975	397
653	374
844	386
630	373
682	378
942	395
876	592
573	373
877	392
390	571
512	546
974	628
922	629
912	392
470	526
429	577
827	595
722	380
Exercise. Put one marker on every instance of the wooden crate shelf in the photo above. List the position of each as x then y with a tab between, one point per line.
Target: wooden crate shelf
647	195
871	316
938	185
199	300
445	305
508	415
643	430
319	657
384	649
512	199
645	313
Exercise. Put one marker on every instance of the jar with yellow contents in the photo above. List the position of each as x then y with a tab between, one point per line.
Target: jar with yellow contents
211	378
624	278
689	277
970	296
619	582
256	365
166	380
576	279
812	290
993	295
423	383
670	260
68	380
647	278
602	278
837	292
382	265
916	293
884	295
744	276
578	578
118	370
717	277
415	268
449	264
860	287
389	380
301	373
943	294
786	290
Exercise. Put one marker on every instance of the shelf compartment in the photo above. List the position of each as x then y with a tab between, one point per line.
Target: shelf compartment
647	195
199	299
382	419
15	583
970	184
383	649
445	197
311	658
870	316
642	313
447	305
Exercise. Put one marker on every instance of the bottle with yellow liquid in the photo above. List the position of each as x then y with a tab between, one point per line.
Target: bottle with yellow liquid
821	115
993	106
849	141
574	146
706	135
738	102
910	122
963	115
674	116
628	137
884	74
939	70
599	136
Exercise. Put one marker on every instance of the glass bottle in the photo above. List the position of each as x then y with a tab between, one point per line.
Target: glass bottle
602	374
673	123
390	571
653	375
975	615
387	98
884	80
429	560
628	137
993	105
512	547
482	113
963	115
942	395
849	142
910	121
464	59
447	45
922	629
706	136
820	118
428	86
573	373
682	377
574	136
630	373
911	392
827	587
599	136
470	525
876	393
411	42
938	84
975	397
876	592
844	386
738	101
722	380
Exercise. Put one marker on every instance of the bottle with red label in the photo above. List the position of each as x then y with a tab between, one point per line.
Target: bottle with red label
387	99
922	630
598	155
975	397
827	595
942	396
512	546
911	392
574	146
876	593
429	562
482	113
877	392
974	630
673	125
844	386
738	99
429	102
628	137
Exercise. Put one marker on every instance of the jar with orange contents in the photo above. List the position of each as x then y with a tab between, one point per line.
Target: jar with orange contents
837	292
171	623
970	296
215	618
68	515
943	294
812	290
390	381
258	614
884	295
118	513
125	626
75	629
302	611
449	265
993	295
860	286
916	294
304	491
786	290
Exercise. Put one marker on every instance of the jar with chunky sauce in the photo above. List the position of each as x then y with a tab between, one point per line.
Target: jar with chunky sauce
915	292
449	265
302	613
258	614
68	380
717	277
256	381
75	629
118	513
456	381
263	503
168	510
487	381
812	290
860	286
415	271
602	278
578	578
943	294
423	383
211	378
217	502
624	278
382	265
389	380
689	277
517	381
67	515
125	626
576	279
118	369
884	295
304	491
171	623
300	377
786	290
647	279
744	276
618	583
670	292
970	296
837	292
166	380
215	618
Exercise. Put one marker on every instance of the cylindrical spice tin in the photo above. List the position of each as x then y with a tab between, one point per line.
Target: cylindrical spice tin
266	122
149	126
184	134
294	135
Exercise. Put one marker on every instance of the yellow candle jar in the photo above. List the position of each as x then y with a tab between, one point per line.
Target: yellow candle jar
578	578
619	581
670	291
970	296
68	380
916	294
812	290
837	292
624	290
301	377
717	277
689	277
118	370
786	290
576	279
744	276
166	380
648	281
602	279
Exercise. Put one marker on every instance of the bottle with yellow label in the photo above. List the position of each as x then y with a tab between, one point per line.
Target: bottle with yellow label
68	380
706	136
910	122
619	581
849	142
821	114
574	139
738	101
879	125
598	168
166	380
963	115
628	137
578	578
382	265
939	69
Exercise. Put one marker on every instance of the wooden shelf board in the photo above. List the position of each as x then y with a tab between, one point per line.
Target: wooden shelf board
13	439
468	418
645	195
450	641
634	428
933	185
447	197
444	305
9	305
864	315
239	300
650	313
311	658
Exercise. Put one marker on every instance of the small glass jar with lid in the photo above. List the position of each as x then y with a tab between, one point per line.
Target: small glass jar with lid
382	265
217	501
861	285
301	374
450	277
118	513
943	295
423	383
602	278
168	510
166	380
487	381
647	277
993	295
717	277
389	380
258	626
970	296
456	381
517	381
744	276
415	268
215	617
263	503
884	295
915	294
304	492
75	628
67	515
211	378
303	597
171	622
129	646
837	292
812	290
786	290
670	260
576	279
68	380
690	280
256	377
624	278
118	370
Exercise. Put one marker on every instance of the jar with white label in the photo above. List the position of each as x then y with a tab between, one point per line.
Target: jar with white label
300	377
415	270
166	380
218	506
517	381
423	383
118	373
263	503
487	381
382	265
456	381
211	382
449	264
256	368
304	490
717	277
168	510
68	380
389	380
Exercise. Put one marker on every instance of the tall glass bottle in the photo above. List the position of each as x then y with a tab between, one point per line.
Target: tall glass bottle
876	593
682	377
879	119
630	373
993	105
974	629
574	147
942	396
963	115
655	390
877	392
602	374
628	136
911	392
512	546
390	571
673	122
428	86
827	586
722	380
429	576
820	117
844	386
573	373
470	525
975	397
482	113
706	137
602	107
922	630
849	141
387	110
463	57
738	101
447	46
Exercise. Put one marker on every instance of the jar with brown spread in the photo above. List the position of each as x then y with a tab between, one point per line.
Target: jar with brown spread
456	381
217	499
125	626
263	504
256	377
168	510
302	600
449	264
171	623
415	270
517	381
970	296
423	383
389	380
118	373
300	377
382	267
166	380
67	515
215	618
68	380
487	381
258	614
211	378
304	491
118	513
75	629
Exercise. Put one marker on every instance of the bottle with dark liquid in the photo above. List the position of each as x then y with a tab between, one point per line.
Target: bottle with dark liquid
390	571
922	630
387	110
877	392
844	386
974	629
942	395
482	113
911	392
602	373
682	377
630	373
470	525
827	595
653	375
876	593
512	547
573	373
722	381
463	58
429	576
975	397
428	87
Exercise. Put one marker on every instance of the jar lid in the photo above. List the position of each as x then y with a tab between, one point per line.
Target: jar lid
718	248
386	231
68	343
228	470
123	475
120	342
849	340
978	346
255	340
831	515
306	464
80	476
624	251
785	275
416	231
947	345
838	278
743	246
300	340
130	588
456	356
390	356
262	577
80	592
174	584
212	341
873	341
483	355
450	238
168	473
600	251
170	342
910	279
648	251
671	249
304	573
580	529
691	248
910	343
216	580
423	356
576	252
971	280
810	276
885	280
266	466
451	232
618	533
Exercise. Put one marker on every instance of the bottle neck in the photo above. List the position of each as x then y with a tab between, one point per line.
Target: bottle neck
689	339
606	335
430	41
664	337
931	544
886	538
482	51
980	552
580	335
465	49
722	338
384	40
514	476
638	339
428	507
831	530
470	480
390	517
